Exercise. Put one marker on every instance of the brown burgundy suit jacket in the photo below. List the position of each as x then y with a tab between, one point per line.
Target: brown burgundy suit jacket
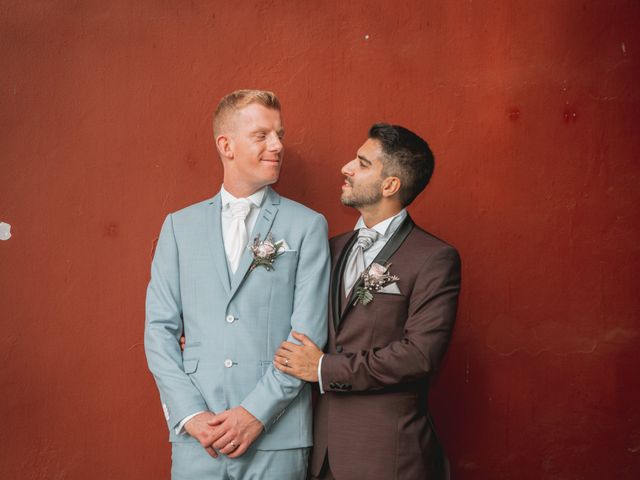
373	420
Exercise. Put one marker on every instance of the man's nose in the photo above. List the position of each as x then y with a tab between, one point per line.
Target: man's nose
275	143
347	169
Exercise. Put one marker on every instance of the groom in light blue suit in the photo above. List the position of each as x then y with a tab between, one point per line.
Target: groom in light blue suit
230	413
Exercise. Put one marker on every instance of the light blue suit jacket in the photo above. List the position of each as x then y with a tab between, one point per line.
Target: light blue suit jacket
233	324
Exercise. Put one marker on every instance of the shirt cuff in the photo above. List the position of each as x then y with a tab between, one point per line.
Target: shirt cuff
180	427
320	374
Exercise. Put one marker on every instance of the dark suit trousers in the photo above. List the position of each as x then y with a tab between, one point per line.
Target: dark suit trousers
325	471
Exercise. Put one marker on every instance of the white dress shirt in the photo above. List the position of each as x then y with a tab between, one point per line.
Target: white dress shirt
385	229
225	222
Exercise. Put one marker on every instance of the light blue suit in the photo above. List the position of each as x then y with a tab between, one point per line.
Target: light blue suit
234	323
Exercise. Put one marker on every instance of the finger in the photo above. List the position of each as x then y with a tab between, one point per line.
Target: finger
218	419
289	347
210	450
239	451
218	433
287	369
301	337
298	336
230	447
284	361
223	441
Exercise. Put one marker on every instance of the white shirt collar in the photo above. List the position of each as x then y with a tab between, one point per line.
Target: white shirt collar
387	227
255	199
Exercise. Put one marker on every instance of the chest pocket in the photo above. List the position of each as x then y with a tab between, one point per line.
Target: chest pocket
390	318
282	272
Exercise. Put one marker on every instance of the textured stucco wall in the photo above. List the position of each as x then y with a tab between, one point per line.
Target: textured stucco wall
531	109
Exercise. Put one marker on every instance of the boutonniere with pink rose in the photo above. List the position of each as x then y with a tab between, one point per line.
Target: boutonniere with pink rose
375	278
265	252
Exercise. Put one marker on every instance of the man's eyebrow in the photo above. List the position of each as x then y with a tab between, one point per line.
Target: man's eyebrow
364	159
259	130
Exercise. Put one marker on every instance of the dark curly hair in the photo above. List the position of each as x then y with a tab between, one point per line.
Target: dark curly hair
406	156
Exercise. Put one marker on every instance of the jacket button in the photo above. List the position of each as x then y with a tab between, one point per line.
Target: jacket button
228	363
339	348
230	319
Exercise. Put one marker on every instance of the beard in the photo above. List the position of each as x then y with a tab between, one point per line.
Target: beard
362	196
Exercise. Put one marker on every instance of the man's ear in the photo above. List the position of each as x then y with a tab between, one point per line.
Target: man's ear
224	144
390	186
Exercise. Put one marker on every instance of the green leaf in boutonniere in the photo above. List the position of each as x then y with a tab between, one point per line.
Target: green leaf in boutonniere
363	295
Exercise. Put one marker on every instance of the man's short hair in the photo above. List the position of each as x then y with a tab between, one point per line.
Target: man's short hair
406	156
238	100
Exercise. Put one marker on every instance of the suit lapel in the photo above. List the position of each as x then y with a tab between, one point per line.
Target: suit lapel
267	214
392	245
336	279
216	243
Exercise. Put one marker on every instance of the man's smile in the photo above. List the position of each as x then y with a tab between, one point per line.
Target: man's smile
272	161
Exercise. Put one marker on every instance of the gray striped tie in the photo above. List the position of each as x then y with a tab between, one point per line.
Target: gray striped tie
355	263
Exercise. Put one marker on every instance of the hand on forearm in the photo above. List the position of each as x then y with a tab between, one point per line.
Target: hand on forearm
300	361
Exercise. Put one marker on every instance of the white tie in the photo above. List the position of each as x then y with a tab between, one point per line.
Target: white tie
237	232
355	263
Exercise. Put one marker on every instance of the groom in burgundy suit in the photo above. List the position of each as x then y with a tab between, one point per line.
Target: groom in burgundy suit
393	299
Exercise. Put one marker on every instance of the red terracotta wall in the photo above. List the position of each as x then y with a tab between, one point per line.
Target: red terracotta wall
532	109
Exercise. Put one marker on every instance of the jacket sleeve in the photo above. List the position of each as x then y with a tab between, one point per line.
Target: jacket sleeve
163	328
430	318
275	390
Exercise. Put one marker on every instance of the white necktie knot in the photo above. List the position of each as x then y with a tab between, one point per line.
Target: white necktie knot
240	208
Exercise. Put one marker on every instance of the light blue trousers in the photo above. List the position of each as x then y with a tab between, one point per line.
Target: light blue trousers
191	462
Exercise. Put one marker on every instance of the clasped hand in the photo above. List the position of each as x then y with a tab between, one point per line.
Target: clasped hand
233	431
230	432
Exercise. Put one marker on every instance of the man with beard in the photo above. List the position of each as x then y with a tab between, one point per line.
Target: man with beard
393	299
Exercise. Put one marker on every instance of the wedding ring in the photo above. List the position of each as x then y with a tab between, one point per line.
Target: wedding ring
286	362
233	444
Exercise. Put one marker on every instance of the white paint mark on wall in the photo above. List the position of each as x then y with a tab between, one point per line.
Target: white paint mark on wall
624	48
5	231
366	37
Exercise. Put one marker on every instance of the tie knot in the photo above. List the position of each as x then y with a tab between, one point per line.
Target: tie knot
240	208
366	237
